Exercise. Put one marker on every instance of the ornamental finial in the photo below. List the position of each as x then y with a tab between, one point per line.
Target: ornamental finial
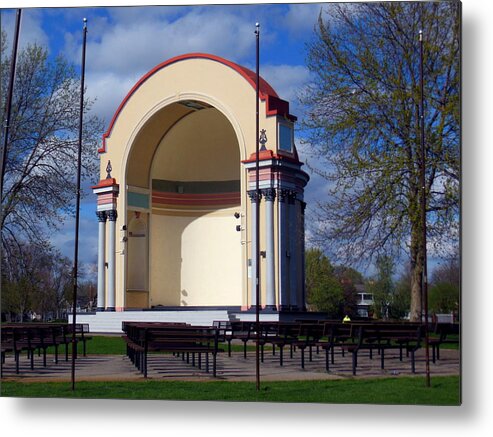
108	170
263	139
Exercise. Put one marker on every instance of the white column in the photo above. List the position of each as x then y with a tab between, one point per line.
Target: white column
293	250
283	250
101	260
270	195
112	215
253	253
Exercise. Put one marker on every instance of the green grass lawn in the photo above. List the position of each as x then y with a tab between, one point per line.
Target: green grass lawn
398	391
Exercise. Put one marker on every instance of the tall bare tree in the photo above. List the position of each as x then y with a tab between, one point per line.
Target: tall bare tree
39	185
363	129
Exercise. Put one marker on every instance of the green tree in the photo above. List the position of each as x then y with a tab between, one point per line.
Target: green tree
401	300
444	293
324	290
382	287
348	277
35	280
363	128
443	298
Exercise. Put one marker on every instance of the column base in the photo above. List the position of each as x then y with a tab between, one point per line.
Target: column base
270	308
110	309
100	309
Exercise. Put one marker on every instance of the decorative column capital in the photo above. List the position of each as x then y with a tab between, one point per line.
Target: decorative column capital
255	196
112	215
282	194
101	216
269	194
291	196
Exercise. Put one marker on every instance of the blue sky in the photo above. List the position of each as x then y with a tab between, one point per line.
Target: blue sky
123	43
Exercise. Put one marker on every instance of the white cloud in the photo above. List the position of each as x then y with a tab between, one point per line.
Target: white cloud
134	47
108	90
31	30
301	18
287	80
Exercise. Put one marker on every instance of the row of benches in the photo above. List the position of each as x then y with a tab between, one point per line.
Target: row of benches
330	336
37	338
333	337
177	338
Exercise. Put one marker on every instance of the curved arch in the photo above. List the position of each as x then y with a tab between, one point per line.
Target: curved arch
275	105
166	102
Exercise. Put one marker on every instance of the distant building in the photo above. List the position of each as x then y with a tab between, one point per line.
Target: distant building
365	301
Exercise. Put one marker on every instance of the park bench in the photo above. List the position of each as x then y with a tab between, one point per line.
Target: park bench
385	336
243	331
286	335
336	335
81	330
36	337
309	335
177	339
443	331
7	346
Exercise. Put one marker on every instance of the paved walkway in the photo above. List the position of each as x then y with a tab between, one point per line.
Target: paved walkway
234	368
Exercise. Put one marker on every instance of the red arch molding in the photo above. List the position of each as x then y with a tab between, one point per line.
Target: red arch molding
275	105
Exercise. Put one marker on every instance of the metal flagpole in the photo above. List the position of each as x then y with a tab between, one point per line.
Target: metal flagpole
10	92
77	207
257	211
424	281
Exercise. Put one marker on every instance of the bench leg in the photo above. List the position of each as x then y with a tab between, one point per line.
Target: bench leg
273	349
327	359
413	364
229	348
200	360
382	359
302	358
281	356
207	362
355	362
214	362
310	354
244	349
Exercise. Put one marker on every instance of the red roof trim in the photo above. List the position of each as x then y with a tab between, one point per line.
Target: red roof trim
265	155
108	182
275	105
